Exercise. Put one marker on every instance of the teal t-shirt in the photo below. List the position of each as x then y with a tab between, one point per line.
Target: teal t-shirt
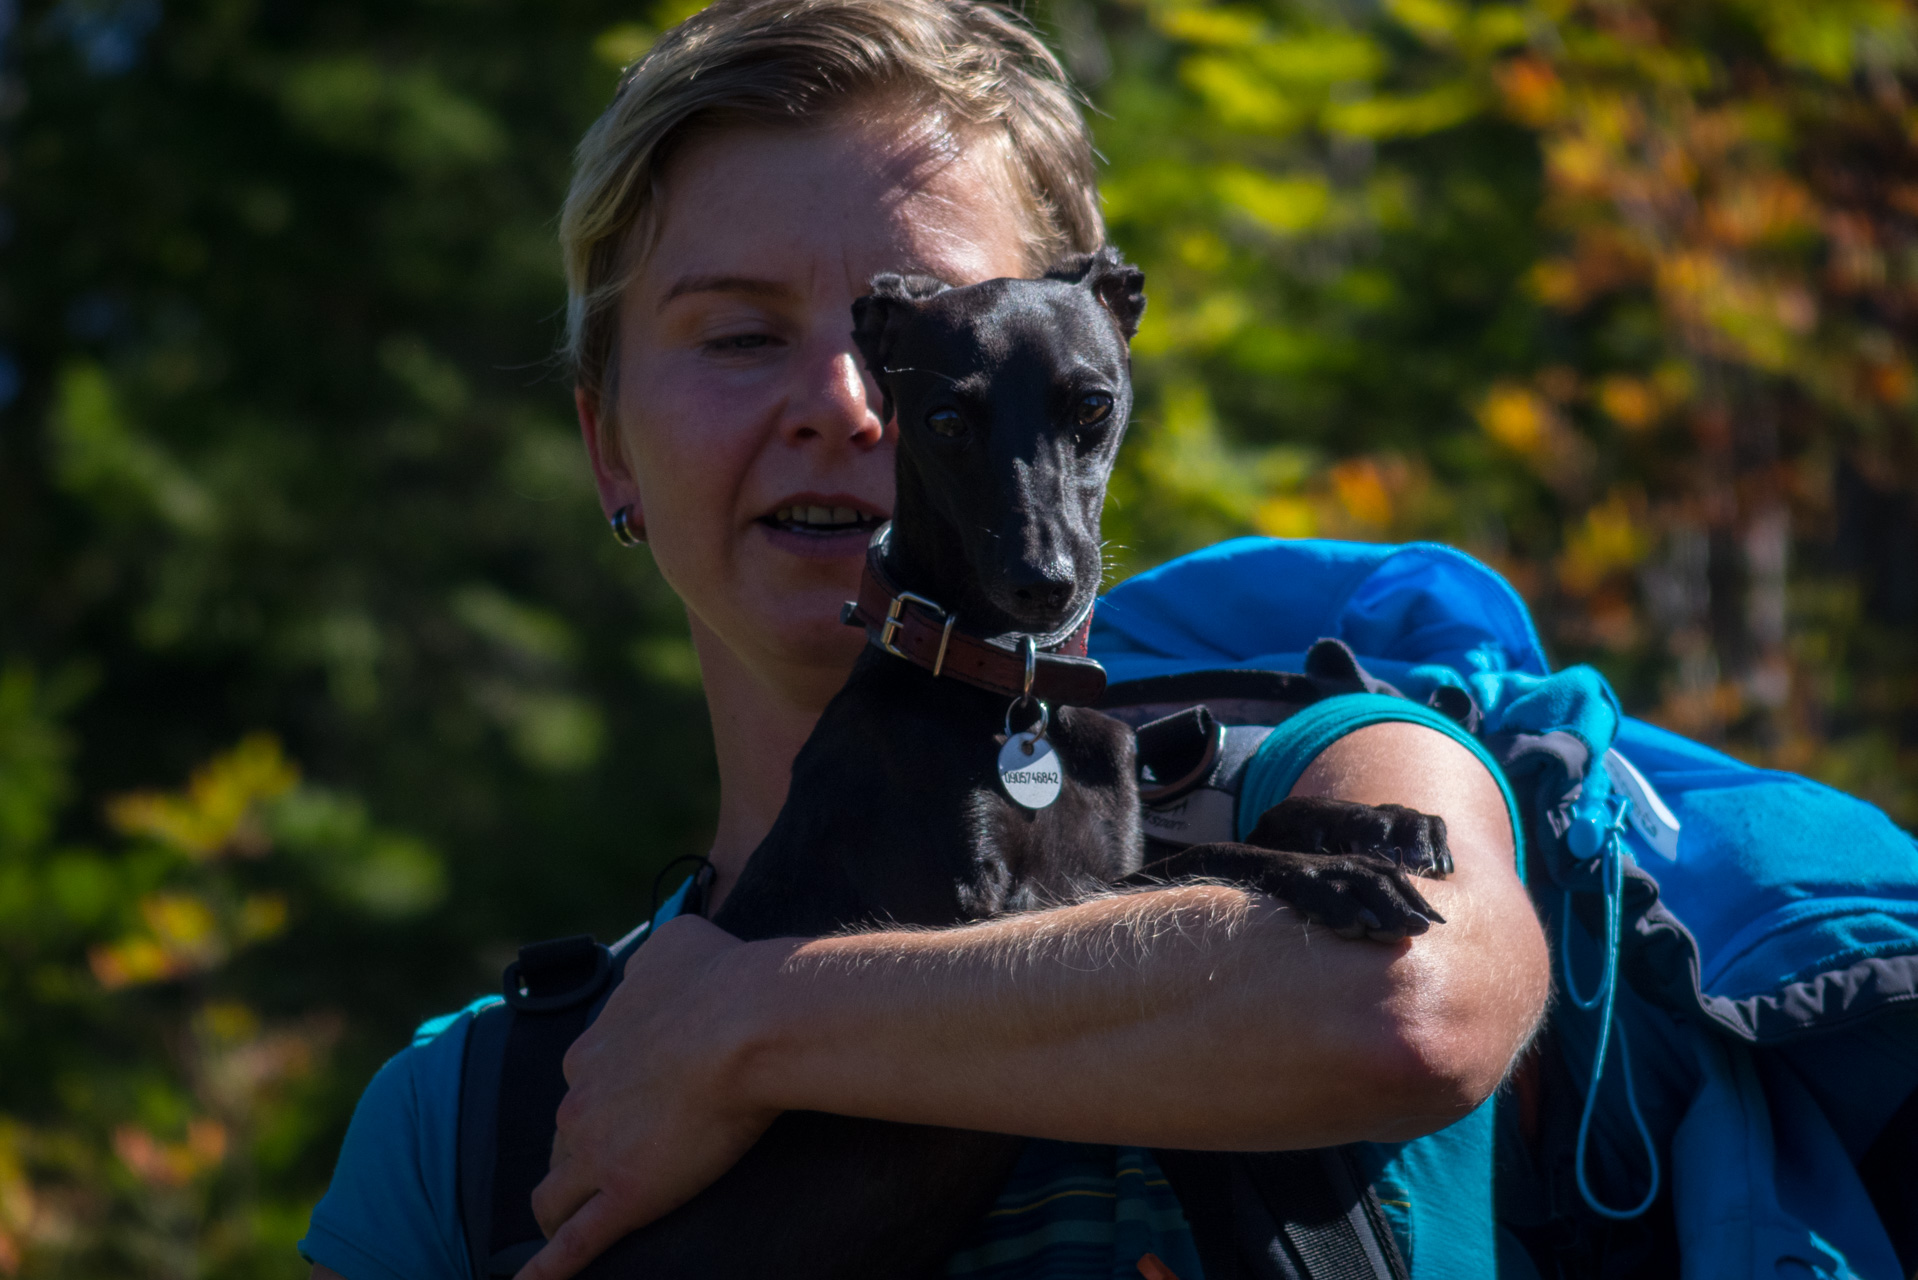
1070	1211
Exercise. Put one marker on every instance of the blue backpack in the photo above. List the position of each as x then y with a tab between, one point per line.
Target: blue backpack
1726	1085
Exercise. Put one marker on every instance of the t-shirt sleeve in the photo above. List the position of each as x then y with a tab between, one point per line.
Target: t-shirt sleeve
392	1211
1297	741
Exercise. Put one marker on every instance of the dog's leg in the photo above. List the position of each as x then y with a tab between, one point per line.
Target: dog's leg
1315	824
1338	864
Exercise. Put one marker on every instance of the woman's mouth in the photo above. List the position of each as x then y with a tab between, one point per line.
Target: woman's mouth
820	531
821	522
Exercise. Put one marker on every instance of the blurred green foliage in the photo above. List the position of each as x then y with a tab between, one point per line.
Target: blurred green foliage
294	526
1618	295
281	451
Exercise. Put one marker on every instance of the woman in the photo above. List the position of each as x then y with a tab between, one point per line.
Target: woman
761	164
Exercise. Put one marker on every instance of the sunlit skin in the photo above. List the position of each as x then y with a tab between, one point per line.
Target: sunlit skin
1196	1017
740	392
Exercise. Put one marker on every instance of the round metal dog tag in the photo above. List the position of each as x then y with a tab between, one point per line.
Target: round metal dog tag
1029	770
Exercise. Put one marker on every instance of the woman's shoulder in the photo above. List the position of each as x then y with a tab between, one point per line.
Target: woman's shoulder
450	1027
393	1207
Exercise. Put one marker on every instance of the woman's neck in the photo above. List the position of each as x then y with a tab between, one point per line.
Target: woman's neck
759	724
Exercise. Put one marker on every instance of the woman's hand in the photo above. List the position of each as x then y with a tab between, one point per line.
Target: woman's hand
654	1111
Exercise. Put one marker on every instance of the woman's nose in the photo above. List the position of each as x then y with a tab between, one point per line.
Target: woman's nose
837	404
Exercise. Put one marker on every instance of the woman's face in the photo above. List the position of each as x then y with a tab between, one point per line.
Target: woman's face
745	430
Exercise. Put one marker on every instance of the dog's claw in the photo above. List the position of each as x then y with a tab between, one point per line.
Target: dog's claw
1404	930
1370	920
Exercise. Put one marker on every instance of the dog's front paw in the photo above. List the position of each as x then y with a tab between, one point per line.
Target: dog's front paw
1355	896
1314	824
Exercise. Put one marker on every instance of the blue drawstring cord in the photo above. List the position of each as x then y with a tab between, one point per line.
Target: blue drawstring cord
1588	836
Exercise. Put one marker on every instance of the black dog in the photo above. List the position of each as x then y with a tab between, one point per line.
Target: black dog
1011	397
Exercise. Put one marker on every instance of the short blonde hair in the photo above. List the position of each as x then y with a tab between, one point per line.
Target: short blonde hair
794	62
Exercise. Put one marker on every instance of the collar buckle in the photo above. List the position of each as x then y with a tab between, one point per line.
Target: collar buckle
891	624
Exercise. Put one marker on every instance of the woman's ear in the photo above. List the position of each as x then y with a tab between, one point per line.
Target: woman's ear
612	473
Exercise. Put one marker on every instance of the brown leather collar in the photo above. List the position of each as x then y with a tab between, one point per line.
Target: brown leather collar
920	631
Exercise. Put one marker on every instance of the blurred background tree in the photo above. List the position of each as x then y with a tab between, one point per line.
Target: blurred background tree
322	686
1618	296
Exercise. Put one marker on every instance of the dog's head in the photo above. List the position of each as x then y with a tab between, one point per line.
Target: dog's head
1011	397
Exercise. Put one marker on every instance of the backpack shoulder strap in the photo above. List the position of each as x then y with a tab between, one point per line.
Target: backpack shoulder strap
511	1084
479	1107
1283	1215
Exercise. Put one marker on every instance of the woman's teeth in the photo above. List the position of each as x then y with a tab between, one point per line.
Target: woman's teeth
819	517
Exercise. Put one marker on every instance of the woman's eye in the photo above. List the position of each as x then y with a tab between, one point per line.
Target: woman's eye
741	342
1091	409
946	422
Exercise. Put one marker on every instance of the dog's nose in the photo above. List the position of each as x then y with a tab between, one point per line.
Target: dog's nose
1039	590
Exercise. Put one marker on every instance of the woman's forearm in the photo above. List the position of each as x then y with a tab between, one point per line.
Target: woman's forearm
1194	1017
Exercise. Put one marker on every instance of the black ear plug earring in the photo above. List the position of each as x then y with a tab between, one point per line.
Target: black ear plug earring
626	531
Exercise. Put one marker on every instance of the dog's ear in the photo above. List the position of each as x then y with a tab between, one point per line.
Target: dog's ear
876	319
1120	286
1117	284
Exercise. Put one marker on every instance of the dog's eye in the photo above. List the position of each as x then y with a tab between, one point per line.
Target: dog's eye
1091	409
946	422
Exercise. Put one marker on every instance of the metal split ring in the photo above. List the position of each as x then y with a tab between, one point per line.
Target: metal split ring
1045	717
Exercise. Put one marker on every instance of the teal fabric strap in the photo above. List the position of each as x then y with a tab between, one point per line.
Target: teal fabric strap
1297	742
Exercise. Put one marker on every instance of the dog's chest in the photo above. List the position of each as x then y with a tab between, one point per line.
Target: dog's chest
897	815
1083	840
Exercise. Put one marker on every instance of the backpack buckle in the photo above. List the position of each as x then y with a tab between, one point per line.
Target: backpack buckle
555	975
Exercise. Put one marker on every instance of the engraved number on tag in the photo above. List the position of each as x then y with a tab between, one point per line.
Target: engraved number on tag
1029	771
